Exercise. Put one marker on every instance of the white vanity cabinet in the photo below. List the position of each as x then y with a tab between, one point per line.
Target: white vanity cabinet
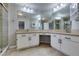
22	41
34	39
67	44
70	45
55	41
27	40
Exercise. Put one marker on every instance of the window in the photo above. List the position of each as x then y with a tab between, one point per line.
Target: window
21	25
51	25
57	24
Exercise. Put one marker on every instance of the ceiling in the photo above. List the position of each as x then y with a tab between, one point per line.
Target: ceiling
43	9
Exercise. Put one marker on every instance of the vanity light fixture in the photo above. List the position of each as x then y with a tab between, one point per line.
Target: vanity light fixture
20	14
61	4
38	17
57	17
24	9
57	7
74	5
28	10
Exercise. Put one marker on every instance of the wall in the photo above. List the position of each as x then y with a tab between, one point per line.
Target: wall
11	24
46	26
75	25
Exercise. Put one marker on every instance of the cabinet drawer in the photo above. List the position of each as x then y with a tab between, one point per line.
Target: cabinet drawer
71	38
70	47
21	35
75	39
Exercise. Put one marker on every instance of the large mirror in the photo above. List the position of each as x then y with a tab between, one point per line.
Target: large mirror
55	17
61	19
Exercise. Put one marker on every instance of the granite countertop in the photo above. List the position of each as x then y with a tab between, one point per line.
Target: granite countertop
47	31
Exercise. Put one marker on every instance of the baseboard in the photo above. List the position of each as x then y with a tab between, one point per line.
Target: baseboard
4	51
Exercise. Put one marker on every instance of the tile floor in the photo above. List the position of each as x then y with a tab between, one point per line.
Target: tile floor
42	50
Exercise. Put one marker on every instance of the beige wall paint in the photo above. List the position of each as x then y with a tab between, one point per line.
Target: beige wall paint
11	24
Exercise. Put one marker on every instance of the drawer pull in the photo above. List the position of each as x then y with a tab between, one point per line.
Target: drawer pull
23	35
67	38
71	40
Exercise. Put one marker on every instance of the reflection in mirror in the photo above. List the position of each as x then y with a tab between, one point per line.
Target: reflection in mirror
57	24
62	19
67	24
50	18
51	25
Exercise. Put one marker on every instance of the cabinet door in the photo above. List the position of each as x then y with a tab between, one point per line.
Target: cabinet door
34	39
70	46
54	41
22	41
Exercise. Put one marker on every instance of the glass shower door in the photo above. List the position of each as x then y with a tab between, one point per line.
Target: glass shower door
3	28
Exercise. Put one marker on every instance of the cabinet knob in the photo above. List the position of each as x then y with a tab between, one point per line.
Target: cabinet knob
23	35
67	38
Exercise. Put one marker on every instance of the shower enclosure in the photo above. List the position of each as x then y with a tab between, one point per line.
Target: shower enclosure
3	27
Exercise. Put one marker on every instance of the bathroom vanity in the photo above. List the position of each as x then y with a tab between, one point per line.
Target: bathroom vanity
67	43
60	31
